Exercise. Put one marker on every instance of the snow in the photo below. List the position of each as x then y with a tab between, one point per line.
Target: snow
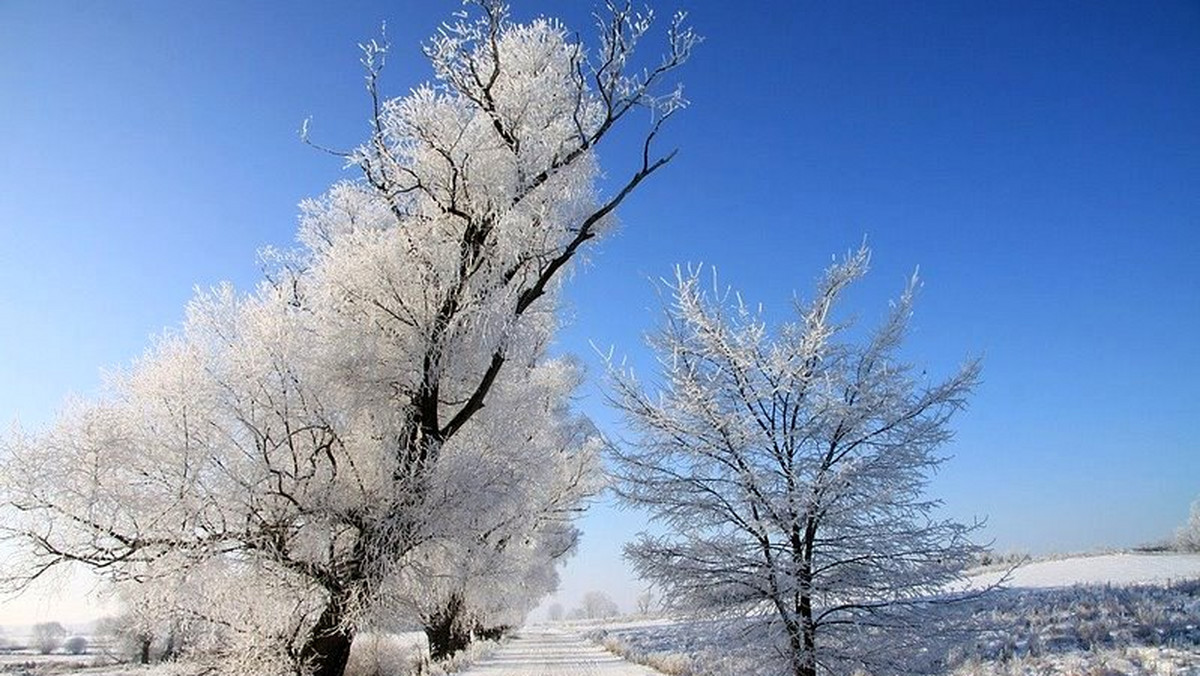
1131	613
551	651
1134	614
1115	569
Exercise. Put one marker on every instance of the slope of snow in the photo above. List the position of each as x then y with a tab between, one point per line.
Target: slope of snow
1116	569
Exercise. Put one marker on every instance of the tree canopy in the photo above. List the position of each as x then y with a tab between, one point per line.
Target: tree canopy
787	466
377	427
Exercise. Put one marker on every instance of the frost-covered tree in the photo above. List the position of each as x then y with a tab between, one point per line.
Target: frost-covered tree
309	448
48	636
503	558
597	605
647	602
1187	538
787	467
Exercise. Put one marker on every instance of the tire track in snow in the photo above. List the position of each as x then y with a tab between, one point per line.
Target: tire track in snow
554	652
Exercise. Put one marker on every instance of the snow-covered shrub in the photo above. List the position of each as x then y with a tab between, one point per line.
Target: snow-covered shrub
76	645
670	663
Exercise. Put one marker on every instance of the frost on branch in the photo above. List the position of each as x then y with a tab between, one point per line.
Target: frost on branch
787	467
374	434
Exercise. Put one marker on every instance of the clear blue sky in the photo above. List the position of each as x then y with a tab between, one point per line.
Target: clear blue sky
1041	165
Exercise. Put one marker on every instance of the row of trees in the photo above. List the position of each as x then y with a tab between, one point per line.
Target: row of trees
48	637
595	605
376	431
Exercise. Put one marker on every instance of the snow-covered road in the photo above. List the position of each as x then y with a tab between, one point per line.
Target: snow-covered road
554	652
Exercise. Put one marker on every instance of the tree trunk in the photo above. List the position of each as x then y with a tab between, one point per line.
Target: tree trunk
328	646
168	652
804	646
145	656
445	630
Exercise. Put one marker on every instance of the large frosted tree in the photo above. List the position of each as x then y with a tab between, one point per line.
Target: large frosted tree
787	468
322	440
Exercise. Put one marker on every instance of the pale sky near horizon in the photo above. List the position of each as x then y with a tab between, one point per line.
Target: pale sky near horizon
1040	164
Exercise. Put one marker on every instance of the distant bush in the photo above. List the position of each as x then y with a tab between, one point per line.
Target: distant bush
990	558
76	645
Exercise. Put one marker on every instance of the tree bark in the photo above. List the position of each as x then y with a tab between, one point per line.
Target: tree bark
445	631
804	646
144	657
328	647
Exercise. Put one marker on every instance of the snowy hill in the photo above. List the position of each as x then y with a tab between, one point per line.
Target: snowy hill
1116	569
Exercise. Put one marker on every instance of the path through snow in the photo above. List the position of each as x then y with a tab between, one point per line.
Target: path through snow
554	652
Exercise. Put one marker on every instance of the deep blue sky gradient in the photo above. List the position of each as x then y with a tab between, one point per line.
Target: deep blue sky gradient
1041	165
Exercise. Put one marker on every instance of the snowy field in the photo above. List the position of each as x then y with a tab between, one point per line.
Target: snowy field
1112	569
28	661
1109	615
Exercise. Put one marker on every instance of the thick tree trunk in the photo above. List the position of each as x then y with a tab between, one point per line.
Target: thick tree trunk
328	646
445	631
802	657
446	639
804	645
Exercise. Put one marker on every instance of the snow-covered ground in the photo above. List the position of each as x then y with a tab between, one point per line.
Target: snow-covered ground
83	665
1115	569
1112	615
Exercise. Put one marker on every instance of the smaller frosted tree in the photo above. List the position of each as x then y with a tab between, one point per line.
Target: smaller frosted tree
788	467
647	602
1188	537
48	636
597	605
